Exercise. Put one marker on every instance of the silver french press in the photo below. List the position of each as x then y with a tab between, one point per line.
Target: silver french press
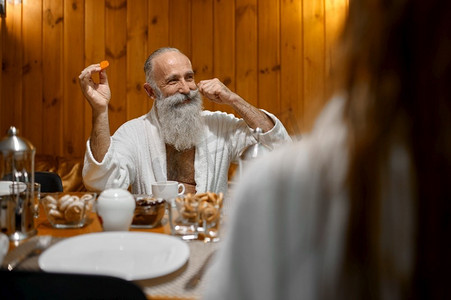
17	207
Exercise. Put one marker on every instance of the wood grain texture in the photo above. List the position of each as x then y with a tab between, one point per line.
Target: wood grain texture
201	53
32	72
180	25
11	93
73	62
314	60
158	26
116	54
291	66
137	99
224	46
52	71
246	50
269	56
278	55
94	41
335	11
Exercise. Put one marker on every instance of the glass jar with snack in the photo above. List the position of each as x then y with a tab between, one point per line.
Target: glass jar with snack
197	216
68	210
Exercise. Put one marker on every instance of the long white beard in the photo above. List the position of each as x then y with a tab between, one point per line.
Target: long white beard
181	123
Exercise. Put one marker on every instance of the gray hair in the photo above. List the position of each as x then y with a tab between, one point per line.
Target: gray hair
148	65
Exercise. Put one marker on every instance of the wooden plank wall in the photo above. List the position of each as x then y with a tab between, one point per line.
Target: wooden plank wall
276	54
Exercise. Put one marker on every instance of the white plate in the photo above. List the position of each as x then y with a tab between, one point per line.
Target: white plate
129	255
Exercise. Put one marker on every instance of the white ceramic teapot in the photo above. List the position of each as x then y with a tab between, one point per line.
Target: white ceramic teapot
116	208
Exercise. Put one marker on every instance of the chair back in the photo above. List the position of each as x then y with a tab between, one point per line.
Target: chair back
50	182
48	285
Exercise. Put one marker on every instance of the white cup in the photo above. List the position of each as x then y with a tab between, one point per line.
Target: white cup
167	189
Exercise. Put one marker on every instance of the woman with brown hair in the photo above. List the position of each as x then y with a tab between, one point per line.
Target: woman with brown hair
361	207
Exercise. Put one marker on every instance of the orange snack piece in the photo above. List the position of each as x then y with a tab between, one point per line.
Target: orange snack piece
104	64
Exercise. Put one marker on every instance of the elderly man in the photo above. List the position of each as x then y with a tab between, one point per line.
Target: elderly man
176	139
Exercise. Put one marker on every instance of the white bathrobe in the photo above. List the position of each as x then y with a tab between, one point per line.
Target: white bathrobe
137	154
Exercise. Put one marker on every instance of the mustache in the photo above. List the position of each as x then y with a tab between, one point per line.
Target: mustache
179	98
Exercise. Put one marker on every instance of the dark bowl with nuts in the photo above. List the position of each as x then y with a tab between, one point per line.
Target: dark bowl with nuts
149	211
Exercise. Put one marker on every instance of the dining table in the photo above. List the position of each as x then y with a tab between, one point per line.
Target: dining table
169	286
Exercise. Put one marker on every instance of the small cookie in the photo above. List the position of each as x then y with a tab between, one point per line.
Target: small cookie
188	214
56	214
50	200
74	212
208	213
86	197
65	203
51	205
